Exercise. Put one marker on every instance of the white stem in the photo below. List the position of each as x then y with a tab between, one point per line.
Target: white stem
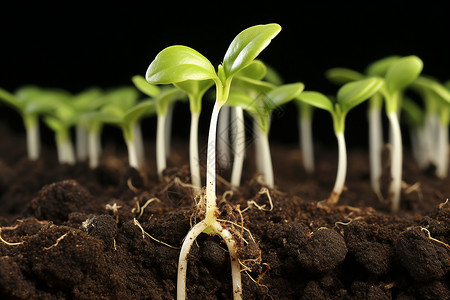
211	206
168	128
139	143
341	170
266	158
223	140
257	140
375	147
396	162
431	138
132	154
94	146
194	160
33	141
81	135
66	153
160	145
442	166
307	144
239	148
182	261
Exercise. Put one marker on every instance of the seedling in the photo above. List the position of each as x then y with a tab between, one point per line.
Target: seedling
195	89
305	117
180	63
348	96
30	103
436	98
260	108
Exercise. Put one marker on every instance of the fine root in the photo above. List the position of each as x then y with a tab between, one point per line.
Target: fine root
9	243
136	222
443	204
140	210
57	241
115	210
251	203
433	239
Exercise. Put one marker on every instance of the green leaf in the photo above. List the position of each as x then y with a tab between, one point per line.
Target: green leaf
246	46
343	75
282	94
10	99
402	73
380	67
145	87
252	87
167	96
273	76
317	99
354	93
138	111
255	70
179	63
83	101
242	100
432	85
121	97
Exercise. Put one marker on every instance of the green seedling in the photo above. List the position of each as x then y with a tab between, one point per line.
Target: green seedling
414	117
260	108
349	96
436	99
305	118
30	103
84	102
180	63
400	74
195	89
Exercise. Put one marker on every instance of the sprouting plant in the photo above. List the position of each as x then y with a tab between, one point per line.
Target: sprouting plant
195	89
348	96
30	102
436	99
260	108
180	63
84	102
305	117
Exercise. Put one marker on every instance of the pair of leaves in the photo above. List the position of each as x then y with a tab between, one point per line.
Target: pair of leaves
181	63
349	95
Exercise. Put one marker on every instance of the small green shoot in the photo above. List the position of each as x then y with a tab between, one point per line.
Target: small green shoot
348	96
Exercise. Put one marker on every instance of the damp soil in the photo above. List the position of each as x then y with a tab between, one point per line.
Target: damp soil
69	232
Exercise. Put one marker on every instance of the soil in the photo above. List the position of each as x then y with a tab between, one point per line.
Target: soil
69	232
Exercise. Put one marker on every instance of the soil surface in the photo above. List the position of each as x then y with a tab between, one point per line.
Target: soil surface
69	232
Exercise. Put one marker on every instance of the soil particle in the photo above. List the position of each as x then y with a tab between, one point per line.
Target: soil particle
365	290
425	259
57	200
323	252
214	254
103	227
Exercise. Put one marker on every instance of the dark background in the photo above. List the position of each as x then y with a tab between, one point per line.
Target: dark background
78	45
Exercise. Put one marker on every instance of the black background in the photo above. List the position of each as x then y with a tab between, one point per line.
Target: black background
74	45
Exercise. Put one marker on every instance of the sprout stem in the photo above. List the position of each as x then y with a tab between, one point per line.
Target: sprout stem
442	166
375	147
65	150
223	142
193	153
239	148
168	128
265	157
306	144
396	161
341	170
94	149
33	140
81	135
132	154
160	145
211	206
139	144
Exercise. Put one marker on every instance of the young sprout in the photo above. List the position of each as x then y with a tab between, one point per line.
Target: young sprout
180	63
260	108
84	102
305	116
436	98
414	117
400	74
349	95
195	89
27	101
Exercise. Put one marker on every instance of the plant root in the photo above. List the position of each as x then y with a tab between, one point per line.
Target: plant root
57	241
9	243
433	239
136	222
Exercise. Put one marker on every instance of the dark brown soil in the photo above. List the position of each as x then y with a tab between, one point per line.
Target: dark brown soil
69	232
